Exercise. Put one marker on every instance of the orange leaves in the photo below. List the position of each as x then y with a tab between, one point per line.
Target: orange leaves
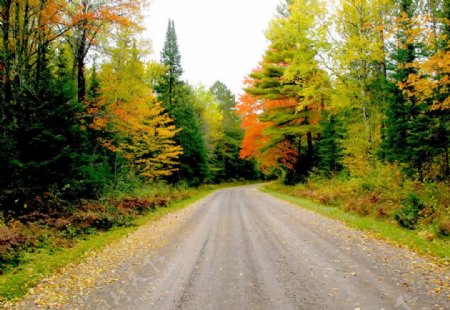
280	103
286	154
145	139
93	17
52	12
248	109
430	81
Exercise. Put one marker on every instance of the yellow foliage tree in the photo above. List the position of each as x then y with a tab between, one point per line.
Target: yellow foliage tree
142	131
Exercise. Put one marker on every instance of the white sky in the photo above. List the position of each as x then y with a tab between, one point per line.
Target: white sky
218	39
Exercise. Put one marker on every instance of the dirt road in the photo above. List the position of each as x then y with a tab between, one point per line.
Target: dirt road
243	249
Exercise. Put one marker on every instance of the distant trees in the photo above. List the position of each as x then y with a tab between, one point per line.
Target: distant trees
209	132
227	164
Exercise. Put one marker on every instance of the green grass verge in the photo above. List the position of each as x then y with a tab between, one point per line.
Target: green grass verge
38	265
384	229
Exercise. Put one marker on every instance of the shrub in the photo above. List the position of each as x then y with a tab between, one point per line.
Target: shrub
12	241
409	214
444	227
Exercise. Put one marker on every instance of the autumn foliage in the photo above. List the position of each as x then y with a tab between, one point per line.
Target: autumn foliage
339	90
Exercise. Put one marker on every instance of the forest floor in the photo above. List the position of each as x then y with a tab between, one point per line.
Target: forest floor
240	248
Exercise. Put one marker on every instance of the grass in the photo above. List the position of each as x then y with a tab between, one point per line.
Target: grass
16	282
384	229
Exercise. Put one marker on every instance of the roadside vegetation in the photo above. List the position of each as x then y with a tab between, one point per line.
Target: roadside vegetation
407	213
36	245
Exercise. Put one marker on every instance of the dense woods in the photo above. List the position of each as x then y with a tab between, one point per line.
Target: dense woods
352	101
82	107
93	134
349	106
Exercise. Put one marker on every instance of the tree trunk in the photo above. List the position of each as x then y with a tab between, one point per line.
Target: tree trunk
310	145
81	53
5	55
447	167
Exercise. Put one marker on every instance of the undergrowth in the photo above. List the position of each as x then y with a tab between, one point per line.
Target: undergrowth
384	195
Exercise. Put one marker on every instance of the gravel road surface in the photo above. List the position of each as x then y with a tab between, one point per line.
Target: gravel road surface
244	249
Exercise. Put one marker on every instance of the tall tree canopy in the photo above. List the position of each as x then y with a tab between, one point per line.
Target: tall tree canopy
339	89
178	99
291	91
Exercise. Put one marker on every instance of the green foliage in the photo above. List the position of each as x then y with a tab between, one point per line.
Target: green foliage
167	88
179	100
46	133
227	164
330	151
409	214
414	134
194	161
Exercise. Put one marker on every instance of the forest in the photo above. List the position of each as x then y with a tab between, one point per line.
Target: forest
92	132
351	102
349	106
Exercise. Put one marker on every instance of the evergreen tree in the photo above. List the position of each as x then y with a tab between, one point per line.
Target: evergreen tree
293	94
398	108
96	163
193	167
229	165
177	99
171	58
414	133
48	133
330	151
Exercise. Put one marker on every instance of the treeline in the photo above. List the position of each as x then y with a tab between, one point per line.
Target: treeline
345	90
83	110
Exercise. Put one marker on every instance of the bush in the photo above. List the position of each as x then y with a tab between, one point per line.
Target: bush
444	227
409	214
12	241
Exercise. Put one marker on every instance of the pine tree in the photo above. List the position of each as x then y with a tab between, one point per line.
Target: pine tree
330	151
48	134
399	108
171	58
292	88
177	99
415	133
228	164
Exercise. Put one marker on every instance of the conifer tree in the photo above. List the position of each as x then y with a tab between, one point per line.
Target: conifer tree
415	132
177	99
228	164
171	58
330	151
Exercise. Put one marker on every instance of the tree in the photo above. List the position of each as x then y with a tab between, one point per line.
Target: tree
171	58
228	165
330	151
142	130
91	18
179	100
416	125
361	87
210	121
48	137
292	89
